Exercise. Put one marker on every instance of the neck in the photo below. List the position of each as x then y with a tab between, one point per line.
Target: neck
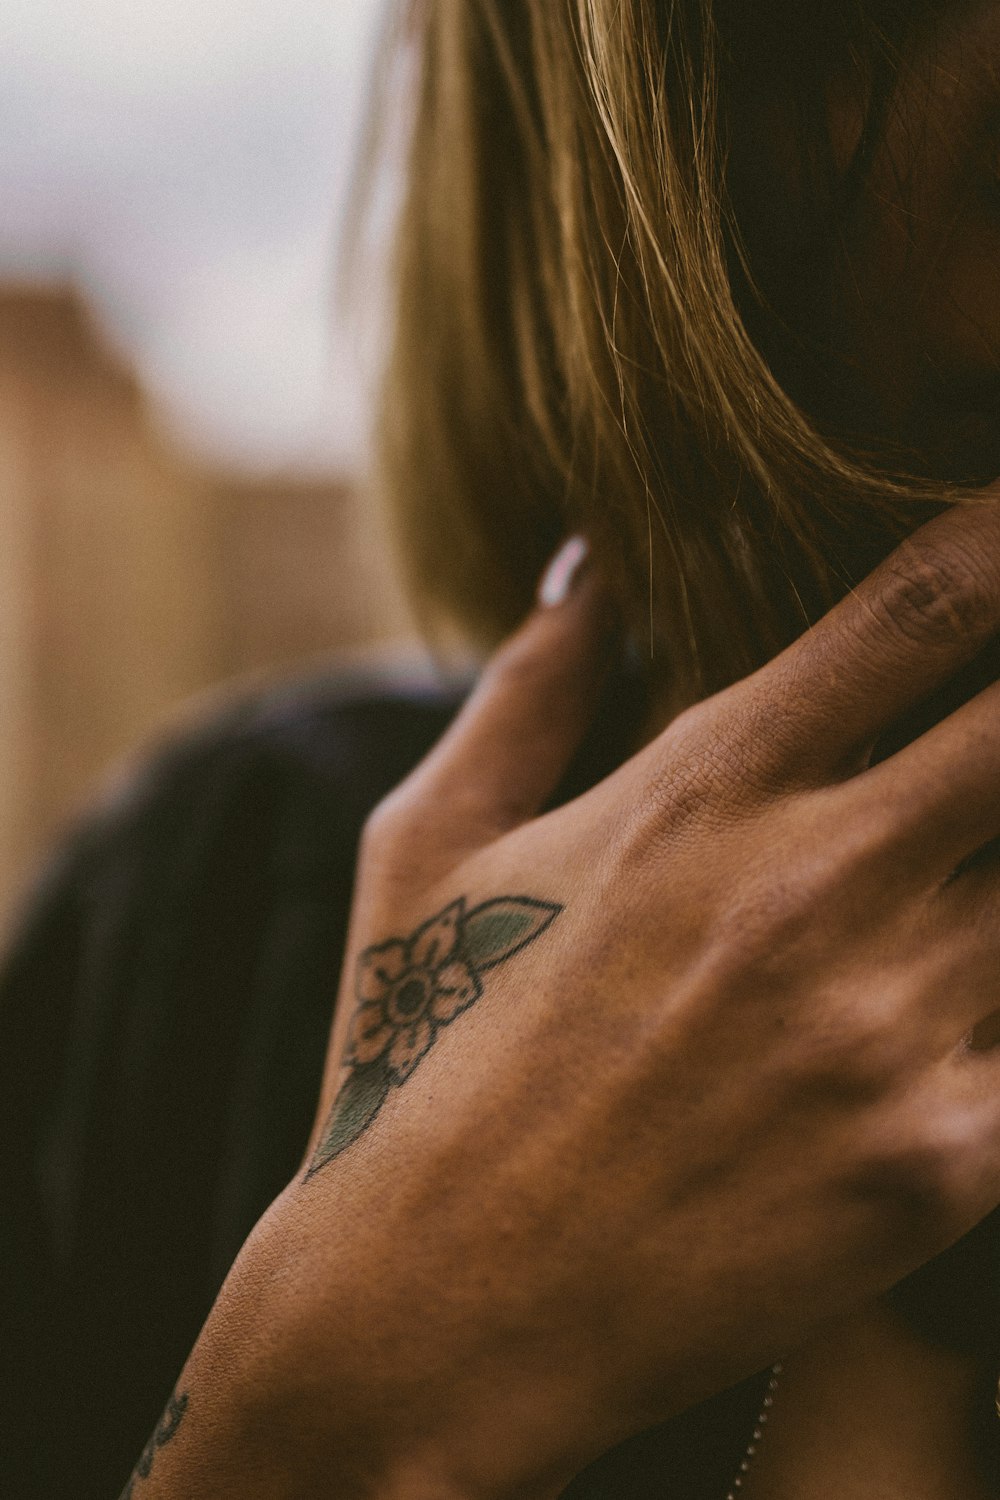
869	1410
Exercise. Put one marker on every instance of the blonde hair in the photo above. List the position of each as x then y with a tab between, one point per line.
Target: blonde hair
569	350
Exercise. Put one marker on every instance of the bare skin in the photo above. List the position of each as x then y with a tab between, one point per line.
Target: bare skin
751	1011
870	1411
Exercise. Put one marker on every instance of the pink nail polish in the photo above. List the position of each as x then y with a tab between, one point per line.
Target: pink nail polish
563	571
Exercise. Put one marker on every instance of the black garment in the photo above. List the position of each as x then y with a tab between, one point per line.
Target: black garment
163	1020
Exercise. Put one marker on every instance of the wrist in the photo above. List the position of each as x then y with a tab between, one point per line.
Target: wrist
275	1413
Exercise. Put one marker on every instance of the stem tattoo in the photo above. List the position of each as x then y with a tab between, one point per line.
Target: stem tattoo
166	1431
408	990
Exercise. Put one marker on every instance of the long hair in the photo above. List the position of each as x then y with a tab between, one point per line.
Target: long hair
579	340
584	338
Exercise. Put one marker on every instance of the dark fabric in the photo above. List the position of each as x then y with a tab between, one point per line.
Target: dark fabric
163	1020
164	1012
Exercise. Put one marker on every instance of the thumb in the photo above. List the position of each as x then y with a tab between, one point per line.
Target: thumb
510	745
498	763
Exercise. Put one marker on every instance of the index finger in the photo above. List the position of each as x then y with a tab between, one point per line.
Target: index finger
915	621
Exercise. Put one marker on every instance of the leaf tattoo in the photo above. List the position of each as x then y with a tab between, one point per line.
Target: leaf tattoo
408	990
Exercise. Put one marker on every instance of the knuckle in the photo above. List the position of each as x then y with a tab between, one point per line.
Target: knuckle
874	1058
395	850
848	1066
917	1177
760	931
388	827
778	917
700	771
762	745
935	596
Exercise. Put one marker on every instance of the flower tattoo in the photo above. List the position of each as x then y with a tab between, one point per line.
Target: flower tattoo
408	989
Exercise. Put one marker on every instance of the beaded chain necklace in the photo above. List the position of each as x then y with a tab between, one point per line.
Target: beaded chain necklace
758	1432
749	1453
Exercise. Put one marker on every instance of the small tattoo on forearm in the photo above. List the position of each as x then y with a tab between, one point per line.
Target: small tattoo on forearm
166	1431
408	990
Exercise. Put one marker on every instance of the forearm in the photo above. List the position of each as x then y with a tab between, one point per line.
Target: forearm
211	1442
247	1422
199	1450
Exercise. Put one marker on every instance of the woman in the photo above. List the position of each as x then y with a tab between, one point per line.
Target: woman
633	1098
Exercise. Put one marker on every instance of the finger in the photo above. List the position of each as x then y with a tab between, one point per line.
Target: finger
954	942
816	710
938	798
964	1156
506	752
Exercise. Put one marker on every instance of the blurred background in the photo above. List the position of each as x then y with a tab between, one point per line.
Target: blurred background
182	416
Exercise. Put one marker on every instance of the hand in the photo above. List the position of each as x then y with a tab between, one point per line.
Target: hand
622	1100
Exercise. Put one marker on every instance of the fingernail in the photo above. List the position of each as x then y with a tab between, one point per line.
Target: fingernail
563	571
